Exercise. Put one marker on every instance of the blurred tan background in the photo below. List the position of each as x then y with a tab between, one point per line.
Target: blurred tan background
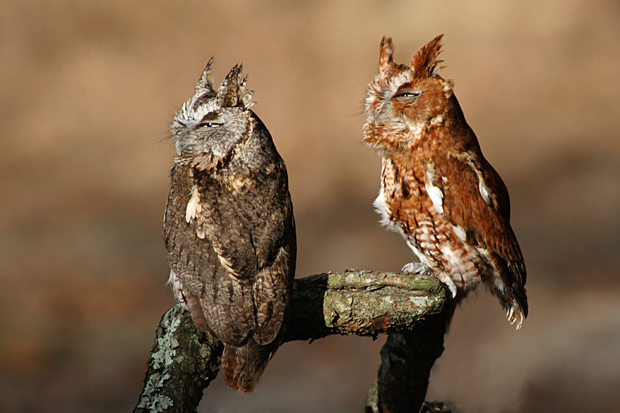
87	92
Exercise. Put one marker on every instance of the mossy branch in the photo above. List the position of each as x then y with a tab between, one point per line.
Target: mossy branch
410	308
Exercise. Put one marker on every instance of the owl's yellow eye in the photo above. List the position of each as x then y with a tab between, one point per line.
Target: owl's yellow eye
408	94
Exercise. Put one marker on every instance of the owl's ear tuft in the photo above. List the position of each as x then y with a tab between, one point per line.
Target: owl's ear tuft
245	95
386	59
204	85
233	90
425	63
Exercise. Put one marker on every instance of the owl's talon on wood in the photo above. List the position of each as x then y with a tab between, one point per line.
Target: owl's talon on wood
418	268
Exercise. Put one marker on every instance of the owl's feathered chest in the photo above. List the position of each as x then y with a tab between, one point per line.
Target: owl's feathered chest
413	167
220	206
407	190
239	187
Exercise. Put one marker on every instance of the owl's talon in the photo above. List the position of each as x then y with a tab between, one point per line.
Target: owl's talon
418	268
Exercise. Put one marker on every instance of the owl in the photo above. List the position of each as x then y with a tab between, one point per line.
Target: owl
437	189
228	227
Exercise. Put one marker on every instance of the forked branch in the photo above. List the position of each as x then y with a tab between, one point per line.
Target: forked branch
410	308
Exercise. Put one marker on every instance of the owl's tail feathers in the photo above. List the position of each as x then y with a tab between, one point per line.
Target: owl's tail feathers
243	366
517	308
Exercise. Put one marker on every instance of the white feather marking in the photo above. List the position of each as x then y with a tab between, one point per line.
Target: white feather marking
434	192
201	233
189	115
484	191
396	82
460	232
193	206
224	261
415	128
454	258
519	321
437	120
281	254
500	286
177	289
436	195
515	315
383	209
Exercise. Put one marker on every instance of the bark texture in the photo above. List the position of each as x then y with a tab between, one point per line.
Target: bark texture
181	365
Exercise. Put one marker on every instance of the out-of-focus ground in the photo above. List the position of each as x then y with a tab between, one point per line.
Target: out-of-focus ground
87	91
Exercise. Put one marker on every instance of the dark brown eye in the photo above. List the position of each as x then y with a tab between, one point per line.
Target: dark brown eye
210	124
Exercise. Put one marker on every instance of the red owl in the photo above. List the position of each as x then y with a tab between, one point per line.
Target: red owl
437	189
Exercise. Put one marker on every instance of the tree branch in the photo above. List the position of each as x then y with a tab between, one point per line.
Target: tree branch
410	308
182	363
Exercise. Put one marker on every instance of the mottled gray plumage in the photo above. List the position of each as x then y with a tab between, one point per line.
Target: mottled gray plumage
229	226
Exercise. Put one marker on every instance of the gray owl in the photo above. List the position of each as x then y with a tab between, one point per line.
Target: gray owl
229	226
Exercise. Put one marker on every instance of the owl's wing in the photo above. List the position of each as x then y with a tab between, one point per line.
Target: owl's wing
224	244
476	200
261	208
209	290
